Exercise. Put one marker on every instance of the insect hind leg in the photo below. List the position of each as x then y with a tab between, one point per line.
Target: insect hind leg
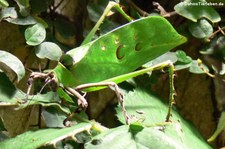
117	91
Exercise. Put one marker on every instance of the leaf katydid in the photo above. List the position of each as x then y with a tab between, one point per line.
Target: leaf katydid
114	57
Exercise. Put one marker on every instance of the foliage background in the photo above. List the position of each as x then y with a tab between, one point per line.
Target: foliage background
196	94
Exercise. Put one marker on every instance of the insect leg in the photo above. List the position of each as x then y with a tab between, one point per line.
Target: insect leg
105	13
81	100
172	91
117	91
49	77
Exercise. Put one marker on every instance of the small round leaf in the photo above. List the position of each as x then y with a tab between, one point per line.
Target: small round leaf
11	65
201	29
9	12
195	9
194	68
35	34
182	57
48	50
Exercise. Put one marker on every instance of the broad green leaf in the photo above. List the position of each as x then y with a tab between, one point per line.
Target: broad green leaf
195	9
201	29
219	129
11	65
150	111
22	21
125	137
35	34
4	3
144	106
116	50
48	50
43	137
9	12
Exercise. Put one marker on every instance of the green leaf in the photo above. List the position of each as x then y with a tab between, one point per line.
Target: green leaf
183	61
9	12
46	100
35	34
201	29
11	65
180	66
150	111
125	137
42	137
118	48
4	3
194	68
48	50
148	107
22	21
11	96
195	9
182	57
53	117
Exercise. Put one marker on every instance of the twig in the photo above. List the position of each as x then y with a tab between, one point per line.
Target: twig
55	7
162	11
216	32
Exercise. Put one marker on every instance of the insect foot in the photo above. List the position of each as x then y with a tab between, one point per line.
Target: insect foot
48	77
81	100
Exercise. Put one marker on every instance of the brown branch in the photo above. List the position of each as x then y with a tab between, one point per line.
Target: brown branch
216	32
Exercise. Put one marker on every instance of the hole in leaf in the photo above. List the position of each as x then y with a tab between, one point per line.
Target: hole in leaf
119	53
137	47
